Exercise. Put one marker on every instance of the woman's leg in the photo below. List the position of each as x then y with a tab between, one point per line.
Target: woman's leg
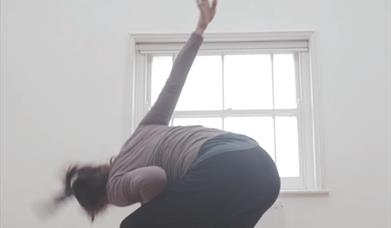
247	220
227	190
174	209
261	183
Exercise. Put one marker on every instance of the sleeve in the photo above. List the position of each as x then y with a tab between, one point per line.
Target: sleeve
161	111
140	185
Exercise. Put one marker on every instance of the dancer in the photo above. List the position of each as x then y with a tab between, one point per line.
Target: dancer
186	176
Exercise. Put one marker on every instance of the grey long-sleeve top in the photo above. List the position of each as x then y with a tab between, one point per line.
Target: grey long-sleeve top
156	153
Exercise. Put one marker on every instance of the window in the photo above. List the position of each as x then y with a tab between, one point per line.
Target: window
254	84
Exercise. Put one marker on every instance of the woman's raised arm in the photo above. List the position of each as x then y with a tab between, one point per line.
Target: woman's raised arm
161	111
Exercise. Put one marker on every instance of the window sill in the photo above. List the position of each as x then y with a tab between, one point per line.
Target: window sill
305	193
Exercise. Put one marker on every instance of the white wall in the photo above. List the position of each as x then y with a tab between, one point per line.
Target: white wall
64	96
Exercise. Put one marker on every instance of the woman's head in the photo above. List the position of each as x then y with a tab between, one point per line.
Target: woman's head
88	185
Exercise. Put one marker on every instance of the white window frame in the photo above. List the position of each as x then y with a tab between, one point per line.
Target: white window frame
301	42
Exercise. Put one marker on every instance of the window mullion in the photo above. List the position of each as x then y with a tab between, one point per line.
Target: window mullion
141	103
274	115
148	81
223	90
173	55
238	113
300	122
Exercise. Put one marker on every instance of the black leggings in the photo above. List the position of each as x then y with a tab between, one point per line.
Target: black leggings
232	189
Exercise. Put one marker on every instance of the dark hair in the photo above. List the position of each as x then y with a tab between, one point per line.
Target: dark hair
88	185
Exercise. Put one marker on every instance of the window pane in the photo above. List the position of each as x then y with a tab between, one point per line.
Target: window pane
203	88
161	67
206	122
248	82
287	146
259	128
284	81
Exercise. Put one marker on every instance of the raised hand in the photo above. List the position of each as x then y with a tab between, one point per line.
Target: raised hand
207	13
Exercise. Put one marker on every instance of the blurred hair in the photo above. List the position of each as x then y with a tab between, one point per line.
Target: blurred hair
88	185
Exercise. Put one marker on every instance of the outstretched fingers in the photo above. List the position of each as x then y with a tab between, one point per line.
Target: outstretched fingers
207	13
205	3
202	2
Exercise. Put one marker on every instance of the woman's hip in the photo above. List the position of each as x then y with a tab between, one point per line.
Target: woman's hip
250	172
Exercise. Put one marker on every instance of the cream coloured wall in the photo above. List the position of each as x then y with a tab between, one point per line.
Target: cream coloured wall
65	83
